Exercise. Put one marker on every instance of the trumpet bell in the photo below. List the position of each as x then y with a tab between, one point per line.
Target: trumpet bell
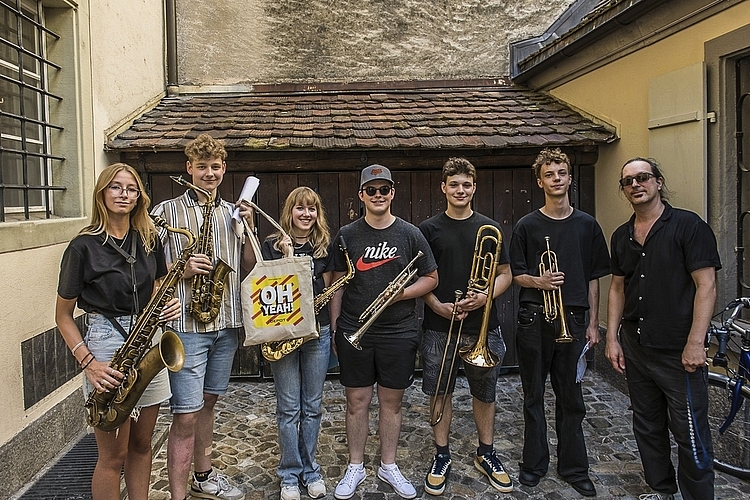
353	338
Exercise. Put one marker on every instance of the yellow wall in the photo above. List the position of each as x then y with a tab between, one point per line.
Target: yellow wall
119	49
618	93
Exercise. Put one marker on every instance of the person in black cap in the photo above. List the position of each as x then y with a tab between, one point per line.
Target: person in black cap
381	245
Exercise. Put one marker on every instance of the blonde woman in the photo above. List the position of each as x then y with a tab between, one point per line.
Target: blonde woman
299	376
96	275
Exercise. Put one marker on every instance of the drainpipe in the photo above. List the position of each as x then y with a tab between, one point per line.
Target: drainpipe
173	87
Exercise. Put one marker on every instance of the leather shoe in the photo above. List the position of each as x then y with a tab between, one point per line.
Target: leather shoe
528	478
585	487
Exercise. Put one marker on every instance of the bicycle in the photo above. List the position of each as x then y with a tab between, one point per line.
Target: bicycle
728	412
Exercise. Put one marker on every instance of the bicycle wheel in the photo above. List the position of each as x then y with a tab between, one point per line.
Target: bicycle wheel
731	449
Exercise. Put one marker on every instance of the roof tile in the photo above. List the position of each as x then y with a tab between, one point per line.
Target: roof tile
475	117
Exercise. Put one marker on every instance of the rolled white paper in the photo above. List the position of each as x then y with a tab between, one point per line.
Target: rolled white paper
247	193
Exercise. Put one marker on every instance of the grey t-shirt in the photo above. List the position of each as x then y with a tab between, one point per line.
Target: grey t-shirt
379	255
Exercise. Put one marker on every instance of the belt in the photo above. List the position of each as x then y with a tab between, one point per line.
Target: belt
531	306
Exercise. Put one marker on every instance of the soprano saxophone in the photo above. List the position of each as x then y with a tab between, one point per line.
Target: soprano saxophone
208	289
274	351
136	358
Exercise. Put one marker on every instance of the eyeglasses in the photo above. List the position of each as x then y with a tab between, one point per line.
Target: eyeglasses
117	190
384	190
640	178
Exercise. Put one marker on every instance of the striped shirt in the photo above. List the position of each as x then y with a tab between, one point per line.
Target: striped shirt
185	212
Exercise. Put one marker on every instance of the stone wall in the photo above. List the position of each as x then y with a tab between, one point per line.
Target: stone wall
230	42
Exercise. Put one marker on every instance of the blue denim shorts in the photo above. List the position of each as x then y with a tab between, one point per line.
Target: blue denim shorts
208	364
103	339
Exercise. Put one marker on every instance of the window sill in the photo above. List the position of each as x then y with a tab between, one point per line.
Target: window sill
29	234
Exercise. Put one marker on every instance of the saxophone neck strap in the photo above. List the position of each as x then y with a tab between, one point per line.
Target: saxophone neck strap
117	326
130	259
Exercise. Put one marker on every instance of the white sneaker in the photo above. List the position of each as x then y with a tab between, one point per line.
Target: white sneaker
656	496
289	492
216	487
316	489
353	477
392	475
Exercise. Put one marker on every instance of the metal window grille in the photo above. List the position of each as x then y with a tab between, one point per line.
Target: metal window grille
26	190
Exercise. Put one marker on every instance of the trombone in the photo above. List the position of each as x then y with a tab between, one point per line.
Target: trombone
553	301
482	280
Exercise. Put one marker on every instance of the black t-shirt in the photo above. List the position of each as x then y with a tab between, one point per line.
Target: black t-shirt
452	242
379	255
99	276
580	247
319	266
659	290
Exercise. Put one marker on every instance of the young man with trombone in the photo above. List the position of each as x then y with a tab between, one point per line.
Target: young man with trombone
558	254
376	326
454	320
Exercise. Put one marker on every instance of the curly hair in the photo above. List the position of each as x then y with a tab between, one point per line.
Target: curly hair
205	147
548	156
457	166
320	236
139	217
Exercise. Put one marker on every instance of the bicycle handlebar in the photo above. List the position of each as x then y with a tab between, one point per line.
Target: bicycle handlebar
722	333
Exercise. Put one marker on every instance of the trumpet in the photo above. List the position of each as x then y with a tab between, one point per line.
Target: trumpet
382	301
553	301
482	280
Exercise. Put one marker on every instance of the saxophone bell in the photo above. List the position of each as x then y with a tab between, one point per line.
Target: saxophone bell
274	351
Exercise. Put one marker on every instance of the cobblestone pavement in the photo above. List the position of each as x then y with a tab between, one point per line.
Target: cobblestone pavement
246	450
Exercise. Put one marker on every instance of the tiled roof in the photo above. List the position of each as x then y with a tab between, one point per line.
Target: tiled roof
455	118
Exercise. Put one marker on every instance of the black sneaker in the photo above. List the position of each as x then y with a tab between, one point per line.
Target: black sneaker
434	482
492	467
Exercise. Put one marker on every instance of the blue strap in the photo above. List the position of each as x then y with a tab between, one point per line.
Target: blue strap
696	442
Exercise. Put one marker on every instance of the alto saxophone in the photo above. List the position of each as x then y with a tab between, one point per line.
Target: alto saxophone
136	358
274	351
208	289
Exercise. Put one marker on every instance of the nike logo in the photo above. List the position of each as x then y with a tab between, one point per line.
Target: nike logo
363	266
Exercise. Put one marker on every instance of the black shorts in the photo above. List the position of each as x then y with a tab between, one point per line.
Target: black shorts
482	381
383	359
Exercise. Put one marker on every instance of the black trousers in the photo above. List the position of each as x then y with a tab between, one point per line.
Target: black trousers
538	356
657	385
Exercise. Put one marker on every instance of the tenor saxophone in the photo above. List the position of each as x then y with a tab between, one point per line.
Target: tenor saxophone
208	289
136	358
274	351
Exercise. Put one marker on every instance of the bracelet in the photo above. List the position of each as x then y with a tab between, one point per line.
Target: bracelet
75	348
84	358
87	364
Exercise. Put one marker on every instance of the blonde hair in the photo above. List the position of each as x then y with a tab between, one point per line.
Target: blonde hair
319	237
139	217
549	156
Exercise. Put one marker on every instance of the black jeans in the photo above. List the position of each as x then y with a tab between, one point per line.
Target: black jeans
538	356
657	385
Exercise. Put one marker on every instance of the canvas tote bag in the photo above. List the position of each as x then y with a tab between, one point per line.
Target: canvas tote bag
277	296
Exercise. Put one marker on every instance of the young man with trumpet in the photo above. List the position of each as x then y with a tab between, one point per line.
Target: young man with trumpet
393	266
453	321
209	346
558	254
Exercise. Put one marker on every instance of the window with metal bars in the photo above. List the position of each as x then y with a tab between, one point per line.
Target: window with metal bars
26	132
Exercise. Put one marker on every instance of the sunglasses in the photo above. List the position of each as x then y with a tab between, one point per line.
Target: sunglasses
640	178
370	191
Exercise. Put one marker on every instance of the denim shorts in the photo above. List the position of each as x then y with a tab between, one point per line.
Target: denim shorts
482	381
208	364
103	339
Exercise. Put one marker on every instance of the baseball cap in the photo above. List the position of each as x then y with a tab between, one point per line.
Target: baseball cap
375	172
